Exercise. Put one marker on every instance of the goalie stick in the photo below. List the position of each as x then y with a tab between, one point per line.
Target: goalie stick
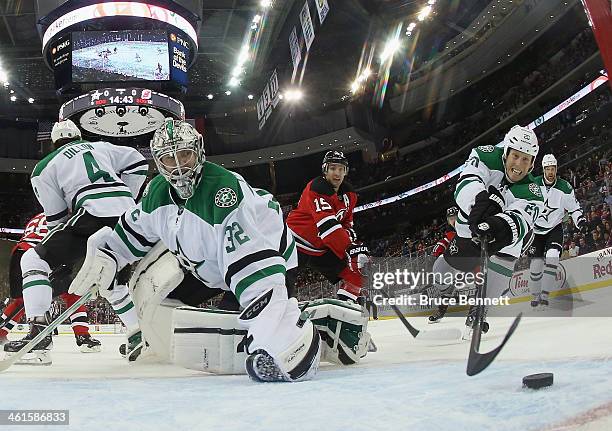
479	361
7	362
420	334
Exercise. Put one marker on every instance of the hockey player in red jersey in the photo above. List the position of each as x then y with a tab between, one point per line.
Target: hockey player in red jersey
442	245
35	231
438	250
322	225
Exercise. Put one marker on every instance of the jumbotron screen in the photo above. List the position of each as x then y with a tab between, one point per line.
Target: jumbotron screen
102	56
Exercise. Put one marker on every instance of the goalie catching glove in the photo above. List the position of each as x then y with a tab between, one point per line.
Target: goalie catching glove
358	257
499	230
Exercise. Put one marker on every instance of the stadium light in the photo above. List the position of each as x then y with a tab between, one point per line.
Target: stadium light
210	97
293	94
257	19
13	98
237	71
3	76
424	13
265	3
390	48
355	86
228	92
31	100
250	96
244	55
234	82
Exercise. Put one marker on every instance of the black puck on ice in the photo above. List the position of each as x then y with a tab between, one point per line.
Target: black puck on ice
537	381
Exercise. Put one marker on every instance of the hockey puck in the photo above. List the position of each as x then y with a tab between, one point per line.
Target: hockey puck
538	381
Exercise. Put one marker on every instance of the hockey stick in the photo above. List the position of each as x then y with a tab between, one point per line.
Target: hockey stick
4	322
479	361
7	362
419	334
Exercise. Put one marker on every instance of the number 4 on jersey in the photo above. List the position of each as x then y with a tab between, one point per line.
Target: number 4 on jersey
93	169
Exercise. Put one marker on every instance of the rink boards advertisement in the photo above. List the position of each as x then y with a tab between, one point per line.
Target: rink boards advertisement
576	281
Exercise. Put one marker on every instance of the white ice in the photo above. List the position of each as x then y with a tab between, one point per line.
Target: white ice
138	60
404	386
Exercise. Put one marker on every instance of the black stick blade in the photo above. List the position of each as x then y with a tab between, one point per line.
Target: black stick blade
479	361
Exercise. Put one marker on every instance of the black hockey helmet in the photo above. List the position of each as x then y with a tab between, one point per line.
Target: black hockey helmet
452	212
334	157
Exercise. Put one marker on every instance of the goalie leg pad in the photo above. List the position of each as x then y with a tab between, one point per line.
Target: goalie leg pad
99	268
154	277
208	340
343	329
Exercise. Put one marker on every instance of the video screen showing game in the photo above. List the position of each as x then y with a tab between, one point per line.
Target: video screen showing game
102	56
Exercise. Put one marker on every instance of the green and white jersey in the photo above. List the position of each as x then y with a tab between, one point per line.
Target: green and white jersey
558	198
100	177
228	234
523	200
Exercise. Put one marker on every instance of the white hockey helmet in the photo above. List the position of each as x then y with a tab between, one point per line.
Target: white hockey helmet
65	130
521	139
172	137
548	160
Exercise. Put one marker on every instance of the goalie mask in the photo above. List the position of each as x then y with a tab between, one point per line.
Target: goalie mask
178	150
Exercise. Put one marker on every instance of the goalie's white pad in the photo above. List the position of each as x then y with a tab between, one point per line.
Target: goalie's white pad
208	340
99	268
156	275
343	328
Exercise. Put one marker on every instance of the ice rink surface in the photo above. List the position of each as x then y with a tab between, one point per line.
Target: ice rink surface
404	386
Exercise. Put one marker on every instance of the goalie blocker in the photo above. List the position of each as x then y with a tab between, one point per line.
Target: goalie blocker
214	340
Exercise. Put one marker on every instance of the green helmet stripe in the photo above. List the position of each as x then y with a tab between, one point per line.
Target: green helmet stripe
170	128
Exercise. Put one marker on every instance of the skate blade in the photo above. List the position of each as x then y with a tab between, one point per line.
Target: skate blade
32	358
431	322
467	334
86	349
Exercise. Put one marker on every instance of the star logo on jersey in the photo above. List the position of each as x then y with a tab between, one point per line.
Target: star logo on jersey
548	210
535	189
226	198
190	265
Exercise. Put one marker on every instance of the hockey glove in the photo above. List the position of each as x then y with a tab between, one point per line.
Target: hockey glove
584	227
358	257
499	230
352	234
486	204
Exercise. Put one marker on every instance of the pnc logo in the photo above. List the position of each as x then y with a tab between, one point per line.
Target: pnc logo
180	41
59	47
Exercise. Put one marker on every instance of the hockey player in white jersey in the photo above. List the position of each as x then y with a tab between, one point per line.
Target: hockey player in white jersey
547	246
497	200
227	235
82	186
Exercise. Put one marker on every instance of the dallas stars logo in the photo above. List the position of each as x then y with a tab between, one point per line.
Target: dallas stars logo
548	210
226	198
190	265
